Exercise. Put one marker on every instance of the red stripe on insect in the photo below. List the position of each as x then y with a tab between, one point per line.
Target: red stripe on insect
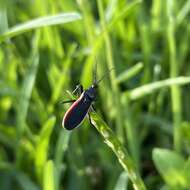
67	114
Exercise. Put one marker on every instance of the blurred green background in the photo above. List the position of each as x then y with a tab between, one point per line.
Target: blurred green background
145	100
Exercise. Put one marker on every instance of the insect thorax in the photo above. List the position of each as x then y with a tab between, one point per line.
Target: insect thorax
91	93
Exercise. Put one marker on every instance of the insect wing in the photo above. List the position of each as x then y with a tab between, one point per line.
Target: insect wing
76	113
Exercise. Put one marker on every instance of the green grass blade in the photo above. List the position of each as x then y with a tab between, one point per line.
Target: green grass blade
62	81
124	12
88	20
26	90
49	176
3	16
174	70
22	179
144	90
126	75
122	181
171	169
150	119
25	182
61	147
110	64
6	166
40	22
183	12
100	38
42	146
24	96
111	140
7	133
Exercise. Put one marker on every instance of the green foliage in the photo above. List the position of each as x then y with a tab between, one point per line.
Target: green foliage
25	182
122	181
49	176
174	169
48	47
38	23
42	145
119	150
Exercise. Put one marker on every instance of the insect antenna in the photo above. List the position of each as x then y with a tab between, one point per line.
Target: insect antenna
95	72
97	82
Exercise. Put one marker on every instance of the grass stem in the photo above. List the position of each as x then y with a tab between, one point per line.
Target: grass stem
125	160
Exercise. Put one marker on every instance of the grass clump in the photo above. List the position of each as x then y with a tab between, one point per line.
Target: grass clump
48	47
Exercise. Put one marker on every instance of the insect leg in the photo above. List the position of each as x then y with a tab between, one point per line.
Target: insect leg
93	108
67	101
90	121
78	90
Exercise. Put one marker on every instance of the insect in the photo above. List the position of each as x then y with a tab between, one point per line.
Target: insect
81	106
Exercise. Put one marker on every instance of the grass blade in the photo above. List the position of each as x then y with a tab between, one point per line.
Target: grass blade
40	22
49	176
174	69
171	169
61	147
25	182
3	16
24	97
42	146
144	90
122	182
26	90
110	64
111	140
126	75
183	12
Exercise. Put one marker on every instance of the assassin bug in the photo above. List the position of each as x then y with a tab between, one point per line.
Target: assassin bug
81	106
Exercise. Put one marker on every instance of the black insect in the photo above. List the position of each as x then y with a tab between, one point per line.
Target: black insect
81	106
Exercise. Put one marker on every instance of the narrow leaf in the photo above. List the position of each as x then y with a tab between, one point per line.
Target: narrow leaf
119	150
122	182
126	75
42	146
61	147
144	90
25	182
170	165
40	22
49	176
26	89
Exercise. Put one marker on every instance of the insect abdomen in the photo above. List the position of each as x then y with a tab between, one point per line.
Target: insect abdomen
76	113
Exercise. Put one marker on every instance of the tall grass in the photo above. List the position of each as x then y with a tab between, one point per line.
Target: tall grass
48	47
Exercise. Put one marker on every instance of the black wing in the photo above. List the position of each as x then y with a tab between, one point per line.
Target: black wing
76	113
